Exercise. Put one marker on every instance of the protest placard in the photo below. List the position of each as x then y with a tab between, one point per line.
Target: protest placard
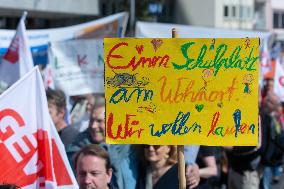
182	91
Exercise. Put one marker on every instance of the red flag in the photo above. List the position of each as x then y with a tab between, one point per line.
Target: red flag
32	153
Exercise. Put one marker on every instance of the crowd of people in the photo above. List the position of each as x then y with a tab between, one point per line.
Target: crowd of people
100	165
104	166
122	166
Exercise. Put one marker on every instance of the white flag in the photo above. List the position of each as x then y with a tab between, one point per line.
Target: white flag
265	62
279	80
18	59
32	155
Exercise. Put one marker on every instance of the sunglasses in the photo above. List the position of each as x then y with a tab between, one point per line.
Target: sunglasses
156	147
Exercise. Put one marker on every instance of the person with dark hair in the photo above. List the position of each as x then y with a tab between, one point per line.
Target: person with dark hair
124	158
57	109
273	139
93	168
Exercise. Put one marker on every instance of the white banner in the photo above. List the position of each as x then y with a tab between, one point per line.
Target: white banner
265	61
164	30
110	26
32	153
77	66
279	80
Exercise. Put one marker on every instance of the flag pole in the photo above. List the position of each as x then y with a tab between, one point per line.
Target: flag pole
180	148
24	15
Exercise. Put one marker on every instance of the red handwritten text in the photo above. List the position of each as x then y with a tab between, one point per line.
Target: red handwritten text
135	62
125	131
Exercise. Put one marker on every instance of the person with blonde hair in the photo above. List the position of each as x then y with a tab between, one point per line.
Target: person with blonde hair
159	168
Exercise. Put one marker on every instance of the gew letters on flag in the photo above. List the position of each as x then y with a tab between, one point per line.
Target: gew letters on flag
32	154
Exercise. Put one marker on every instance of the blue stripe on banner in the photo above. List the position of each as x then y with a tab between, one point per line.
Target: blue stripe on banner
39	54
2	52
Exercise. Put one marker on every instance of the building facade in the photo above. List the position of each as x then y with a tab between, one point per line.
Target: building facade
270	17
229	14
48	13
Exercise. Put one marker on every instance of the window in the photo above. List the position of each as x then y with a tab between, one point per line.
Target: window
276	19
155	8
241	12
245	12
282	20
226	11
250	13
234	11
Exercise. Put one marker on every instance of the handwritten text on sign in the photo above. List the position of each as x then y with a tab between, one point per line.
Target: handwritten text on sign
182	91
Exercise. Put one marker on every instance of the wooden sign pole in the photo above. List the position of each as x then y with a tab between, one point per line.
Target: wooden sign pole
180	150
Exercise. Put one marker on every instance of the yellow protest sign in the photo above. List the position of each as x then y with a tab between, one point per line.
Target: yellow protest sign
182	91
